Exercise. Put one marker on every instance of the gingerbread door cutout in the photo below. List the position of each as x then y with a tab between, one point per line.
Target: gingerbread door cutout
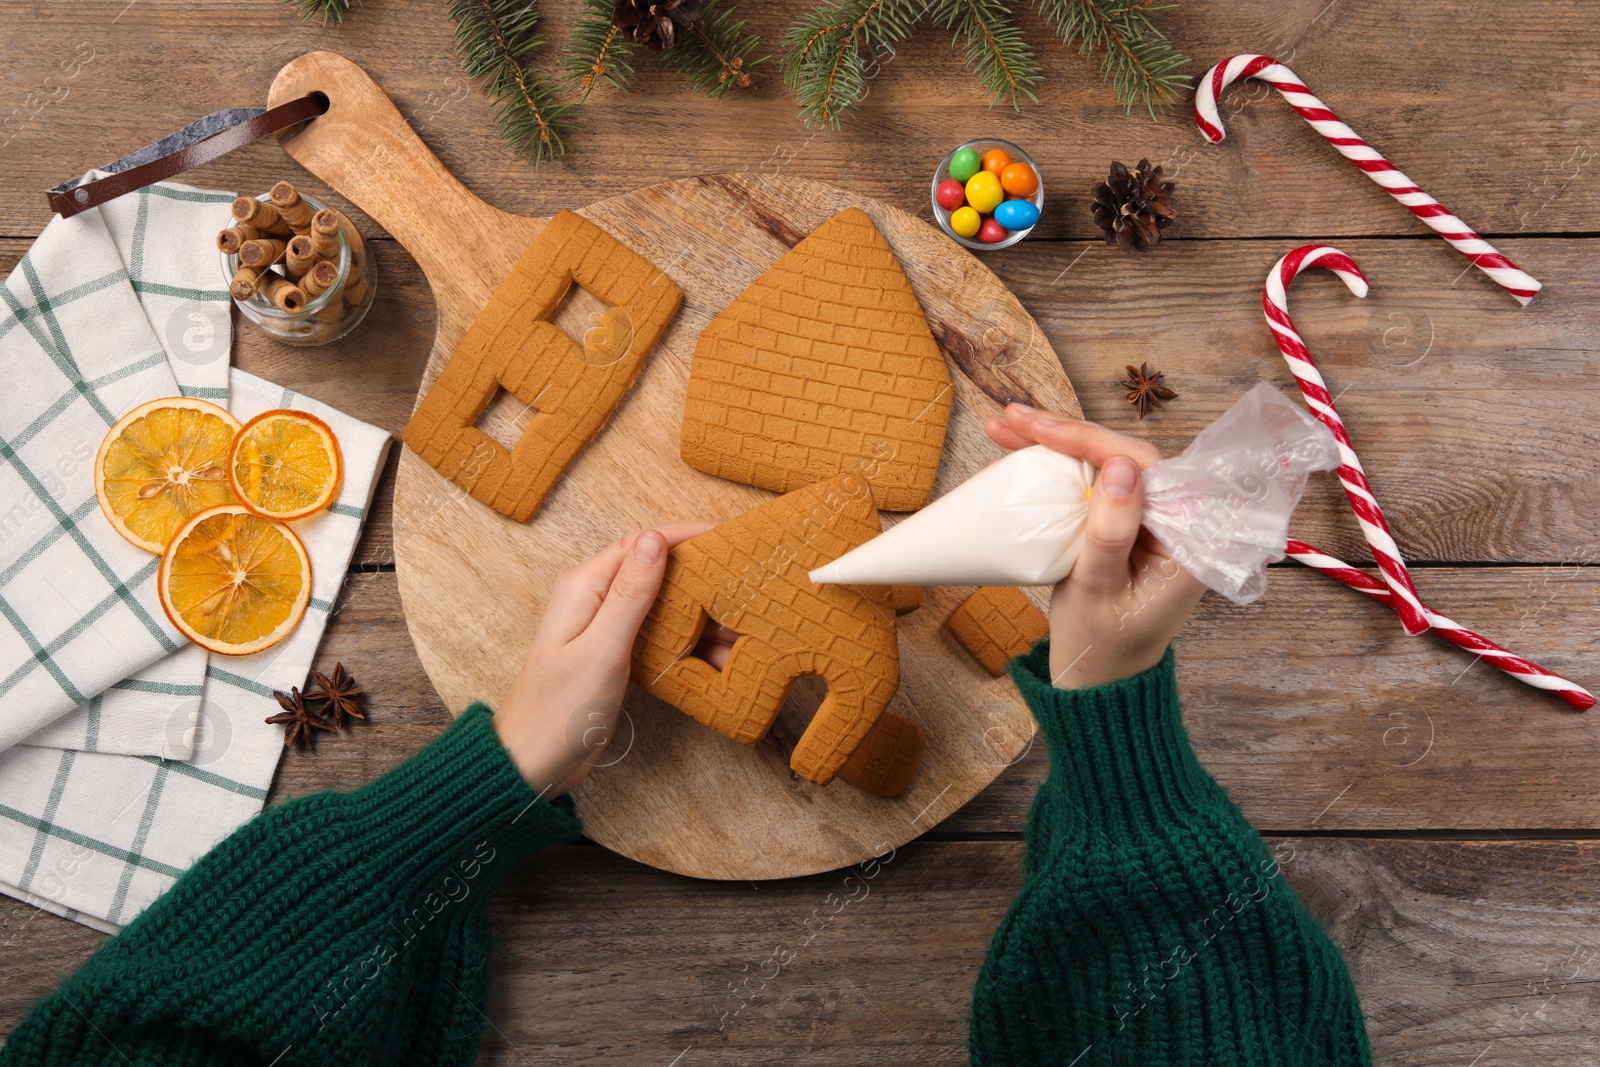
571	389
750	575
824	365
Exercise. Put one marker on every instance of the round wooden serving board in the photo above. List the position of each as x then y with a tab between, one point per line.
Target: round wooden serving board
674	794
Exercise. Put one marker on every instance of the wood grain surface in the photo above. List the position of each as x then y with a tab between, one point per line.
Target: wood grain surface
1442	817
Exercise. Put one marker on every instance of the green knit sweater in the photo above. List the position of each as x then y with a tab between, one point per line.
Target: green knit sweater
1153	927
340	928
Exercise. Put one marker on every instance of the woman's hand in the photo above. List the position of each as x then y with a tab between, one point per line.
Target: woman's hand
563	706
1126	597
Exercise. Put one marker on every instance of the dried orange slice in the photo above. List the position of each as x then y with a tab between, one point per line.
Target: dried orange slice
163	462
285	464
233	582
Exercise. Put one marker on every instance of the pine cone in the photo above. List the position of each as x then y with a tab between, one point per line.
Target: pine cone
657	24
1134	207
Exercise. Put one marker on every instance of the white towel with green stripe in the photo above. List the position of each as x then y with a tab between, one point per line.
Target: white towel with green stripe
113	307
98	837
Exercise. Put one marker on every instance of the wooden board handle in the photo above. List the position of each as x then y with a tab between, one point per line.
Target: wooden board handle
364	149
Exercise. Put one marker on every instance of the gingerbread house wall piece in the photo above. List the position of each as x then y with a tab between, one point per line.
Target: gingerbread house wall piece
573	389
824	365
750	575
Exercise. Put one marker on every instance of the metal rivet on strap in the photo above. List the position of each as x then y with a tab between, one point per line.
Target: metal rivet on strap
81	196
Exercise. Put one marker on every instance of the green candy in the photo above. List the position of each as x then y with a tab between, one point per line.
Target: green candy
964	164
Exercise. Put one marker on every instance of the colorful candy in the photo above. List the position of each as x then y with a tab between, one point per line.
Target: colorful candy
984	192
1018	179
965	221
991	232
996	160
951	194
1017	214
987	197
964	164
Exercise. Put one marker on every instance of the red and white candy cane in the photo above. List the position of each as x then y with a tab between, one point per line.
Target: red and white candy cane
1275	302
1458	635
1483	255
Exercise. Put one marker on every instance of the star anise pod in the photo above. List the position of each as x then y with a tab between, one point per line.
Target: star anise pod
1133	207
299	719
657	24
338	692
1145	390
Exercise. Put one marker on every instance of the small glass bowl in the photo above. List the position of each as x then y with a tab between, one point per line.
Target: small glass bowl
980	146
327	316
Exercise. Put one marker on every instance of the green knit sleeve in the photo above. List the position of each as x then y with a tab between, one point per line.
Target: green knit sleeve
1154	925
345	928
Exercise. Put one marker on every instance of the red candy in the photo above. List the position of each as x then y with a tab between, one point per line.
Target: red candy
951	194
991	232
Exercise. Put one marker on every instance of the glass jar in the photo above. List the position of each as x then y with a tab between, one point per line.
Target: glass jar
330	314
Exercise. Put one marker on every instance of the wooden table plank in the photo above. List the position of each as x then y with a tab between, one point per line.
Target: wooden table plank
1464	953
1491	108
1357	729
1478	421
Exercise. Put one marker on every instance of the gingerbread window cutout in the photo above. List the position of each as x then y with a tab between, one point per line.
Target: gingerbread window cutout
571	388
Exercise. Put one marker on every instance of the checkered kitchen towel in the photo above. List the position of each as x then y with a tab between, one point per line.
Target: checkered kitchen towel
108	309
98	837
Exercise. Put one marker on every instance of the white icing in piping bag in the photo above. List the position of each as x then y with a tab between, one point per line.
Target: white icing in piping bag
1221	508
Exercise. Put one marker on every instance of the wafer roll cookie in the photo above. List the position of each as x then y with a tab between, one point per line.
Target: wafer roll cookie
229	240
283	293
322	275
262	252
324	234
245	281
355	291
293	210
262	216
299	257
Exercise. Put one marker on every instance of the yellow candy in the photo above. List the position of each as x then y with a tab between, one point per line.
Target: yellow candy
965	221
984	192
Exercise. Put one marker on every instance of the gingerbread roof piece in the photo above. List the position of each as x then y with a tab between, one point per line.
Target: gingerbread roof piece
824	365
750	575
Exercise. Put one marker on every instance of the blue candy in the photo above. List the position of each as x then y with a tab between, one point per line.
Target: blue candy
1016	214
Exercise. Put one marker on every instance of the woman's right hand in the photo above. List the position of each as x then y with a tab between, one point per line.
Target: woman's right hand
1126	597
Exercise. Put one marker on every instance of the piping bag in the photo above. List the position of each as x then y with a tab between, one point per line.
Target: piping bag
1221	508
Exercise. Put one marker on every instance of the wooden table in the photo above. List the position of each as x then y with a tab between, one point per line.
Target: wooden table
1442	818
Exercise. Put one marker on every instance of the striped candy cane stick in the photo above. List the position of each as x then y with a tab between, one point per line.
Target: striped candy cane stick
1458	635
1505	273
1275	302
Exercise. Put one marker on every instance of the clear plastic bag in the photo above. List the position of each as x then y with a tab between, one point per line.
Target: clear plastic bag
1222	508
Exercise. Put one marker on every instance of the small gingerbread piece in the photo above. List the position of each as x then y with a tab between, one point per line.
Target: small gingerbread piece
825	364
997	624
572	389
750	575
886	760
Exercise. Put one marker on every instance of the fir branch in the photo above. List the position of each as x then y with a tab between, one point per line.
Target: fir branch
1139	61
332	11
714	56
995	49
825	52
492	37
598	50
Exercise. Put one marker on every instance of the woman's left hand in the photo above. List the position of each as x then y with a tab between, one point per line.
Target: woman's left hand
563	706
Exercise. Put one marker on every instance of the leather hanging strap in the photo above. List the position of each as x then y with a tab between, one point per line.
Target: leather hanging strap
197	143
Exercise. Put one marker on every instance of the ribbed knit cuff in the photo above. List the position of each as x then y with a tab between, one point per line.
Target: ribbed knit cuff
1119	754
462	798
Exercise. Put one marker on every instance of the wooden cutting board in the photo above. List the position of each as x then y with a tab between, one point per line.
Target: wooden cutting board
672	793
